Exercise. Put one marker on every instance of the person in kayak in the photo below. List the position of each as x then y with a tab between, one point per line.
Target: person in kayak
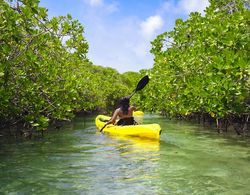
124	112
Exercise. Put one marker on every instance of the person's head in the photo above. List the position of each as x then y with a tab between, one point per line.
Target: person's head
124	103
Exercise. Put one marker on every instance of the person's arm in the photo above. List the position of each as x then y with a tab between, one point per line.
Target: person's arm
133	108
113	118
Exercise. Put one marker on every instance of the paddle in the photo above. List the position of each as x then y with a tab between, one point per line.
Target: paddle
141	84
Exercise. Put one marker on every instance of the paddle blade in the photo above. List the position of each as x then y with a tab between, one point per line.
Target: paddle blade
142	83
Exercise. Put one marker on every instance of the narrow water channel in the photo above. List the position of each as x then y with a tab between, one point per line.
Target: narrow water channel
188	159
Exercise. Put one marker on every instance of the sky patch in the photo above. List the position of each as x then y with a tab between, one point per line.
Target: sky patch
119	32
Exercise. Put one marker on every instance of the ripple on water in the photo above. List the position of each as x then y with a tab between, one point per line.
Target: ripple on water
79	160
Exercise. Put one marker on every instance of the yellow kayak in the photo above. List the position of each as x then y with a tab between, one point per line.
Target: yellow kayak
151	131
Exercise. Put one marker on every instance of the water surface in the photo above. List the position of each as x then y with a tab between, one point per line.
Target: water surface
188	159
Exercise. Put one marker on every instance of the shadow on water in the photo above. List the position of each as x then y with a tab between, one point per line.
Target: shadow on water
188	159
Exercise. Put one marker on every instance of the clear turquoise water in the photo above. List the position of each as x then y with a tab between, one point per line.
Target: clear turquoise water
188	159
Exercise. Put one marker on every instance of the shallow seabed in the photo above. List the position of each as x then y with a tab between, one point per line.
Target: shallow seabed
188	159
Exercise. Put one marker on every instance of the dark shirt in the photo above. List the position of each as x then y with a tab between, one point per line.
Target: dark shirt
126	121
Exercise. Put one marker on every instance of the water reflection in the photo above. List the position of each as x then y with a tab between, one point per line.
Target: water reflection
78	160
125	161
136	144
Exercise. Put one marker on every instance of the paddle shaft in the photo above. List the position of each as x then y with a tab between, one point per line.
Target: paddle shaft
103	127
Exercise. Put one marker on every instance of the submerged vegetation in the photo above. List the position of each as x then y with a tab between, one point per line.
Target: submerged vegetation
201	68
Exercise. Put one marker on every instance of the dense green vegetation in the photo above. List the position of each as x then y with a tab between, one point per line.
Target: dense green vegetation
202	65
45	74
